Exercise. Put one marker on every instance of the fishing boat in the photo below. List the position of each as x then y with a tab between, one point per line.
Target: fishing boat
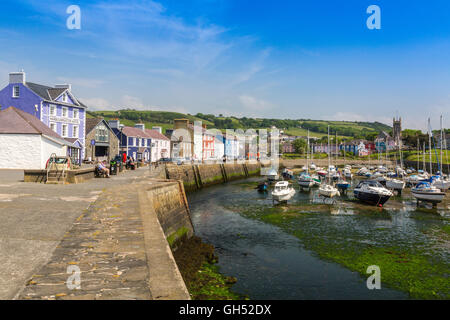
424	191
372	192
283	191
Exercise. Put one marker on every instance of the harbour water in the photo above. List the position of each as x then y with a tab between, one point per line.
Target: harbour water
305	249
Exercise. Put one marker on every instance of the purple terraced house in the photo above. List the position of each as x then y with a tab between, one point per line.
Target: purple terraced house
55	106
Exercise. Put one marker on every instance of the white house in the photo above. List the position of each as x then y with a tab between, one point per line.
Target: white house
26	142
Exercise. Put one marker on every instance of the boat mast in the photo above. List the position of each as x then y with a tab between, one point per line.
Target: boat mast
329	160
423	153
418	153
442	131
429	145
307	156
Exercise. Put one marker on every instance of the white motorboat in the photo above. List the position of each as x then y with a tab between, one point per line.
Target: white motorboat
312	166
283	191
347	173
395	184
328	191
424	191
372	192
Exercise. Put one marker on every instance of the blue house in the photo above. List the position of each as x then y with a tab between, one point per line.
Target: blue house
135	142
55	106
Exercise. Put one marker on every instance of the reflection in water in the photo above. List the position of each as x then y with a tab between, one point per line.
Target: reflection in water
271	264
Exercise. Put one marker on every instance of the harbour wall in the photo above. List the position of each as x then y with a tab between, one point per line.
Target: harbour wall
195	177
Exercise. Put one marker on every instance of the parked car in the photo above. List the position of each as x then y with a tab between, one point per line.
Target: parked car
60	163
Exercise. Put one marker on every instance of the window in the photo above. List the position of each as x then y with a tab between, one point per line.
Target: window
16	91
76	113
53	126
64	130
65	112
75	132
52	111
101	133
64	97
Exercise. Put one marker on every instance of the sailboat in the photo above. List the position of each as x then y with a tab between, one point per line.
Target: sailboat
440	181
397	184
424	191
327	190
304	179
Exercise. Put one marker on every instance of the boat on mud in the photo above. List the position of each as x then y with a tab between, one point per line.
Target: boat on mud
372	192
424	191
283	191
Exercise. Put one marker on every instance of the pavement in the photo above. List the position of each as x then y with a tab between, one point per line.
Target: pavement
35	218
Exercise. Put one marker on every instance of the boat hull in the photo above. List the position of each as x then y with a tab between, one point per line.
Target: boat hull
371	198
434	197
283	197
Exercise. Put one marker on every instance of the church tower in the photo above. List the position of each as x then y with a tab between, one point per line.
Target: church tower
397	129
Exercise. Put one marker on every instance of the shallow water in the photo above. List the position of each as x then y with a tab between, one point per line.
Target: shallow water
270	263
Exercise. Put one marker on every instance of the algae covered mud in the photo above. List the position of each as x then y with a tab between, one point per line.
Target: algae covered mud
310	250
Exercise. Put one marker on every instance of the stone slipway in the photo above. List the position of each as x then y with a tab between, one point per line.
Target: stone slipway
120	248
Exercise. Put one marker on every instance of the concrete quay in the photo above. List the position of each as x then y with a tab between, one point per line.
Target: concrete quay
97	226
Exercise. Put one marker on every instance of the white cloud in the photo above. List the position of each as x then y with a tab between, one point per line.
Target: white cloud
253	103
96	104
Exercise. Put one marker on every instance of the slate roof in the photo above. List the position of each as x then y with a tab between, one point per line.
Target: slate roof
15	121
156	135
91	123
134	132
50	93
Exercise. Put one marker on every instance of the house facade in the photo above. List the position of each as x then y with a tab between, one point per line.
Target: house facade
133	141
102	143
160	144
56	107
27	143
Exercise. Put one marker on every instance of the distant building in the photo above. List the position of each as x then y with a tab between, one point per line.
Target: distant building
102	142
287	147
27	143
397	129
134	141
160	144
56	107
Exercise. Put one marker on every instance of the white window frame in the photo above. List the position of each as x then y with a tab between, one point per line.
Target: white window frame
64	97
77	112
14	92
50	110
67	112
62	130
73	131
53	124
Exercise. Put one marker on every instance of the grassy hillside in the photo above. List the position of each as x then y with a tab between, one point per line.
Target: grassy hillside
318	128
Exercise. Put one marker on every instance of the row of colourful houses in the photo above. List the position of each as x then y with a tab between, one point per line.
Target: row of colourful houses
37	121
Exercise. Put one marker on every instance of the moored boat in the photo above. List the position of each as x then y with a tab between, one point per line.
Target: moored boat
282	191
372	192
424	191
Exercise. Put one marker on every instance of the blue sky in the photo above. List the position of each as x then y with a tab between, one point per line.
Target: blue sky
279	59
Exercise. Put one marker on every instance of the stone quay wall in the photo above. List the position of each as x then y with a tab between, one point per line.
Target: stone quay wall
195	177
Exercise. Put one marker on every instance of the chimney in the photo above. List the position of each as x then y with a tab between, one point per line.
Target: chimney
17	77
181	123
140	126
64	86
114	124
159	129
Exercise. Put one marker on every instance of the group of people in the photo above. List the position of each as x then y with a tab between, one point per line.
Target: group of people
101	166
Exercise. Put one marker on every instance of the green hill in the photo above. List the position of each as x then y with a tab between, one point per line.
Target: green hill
318	128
